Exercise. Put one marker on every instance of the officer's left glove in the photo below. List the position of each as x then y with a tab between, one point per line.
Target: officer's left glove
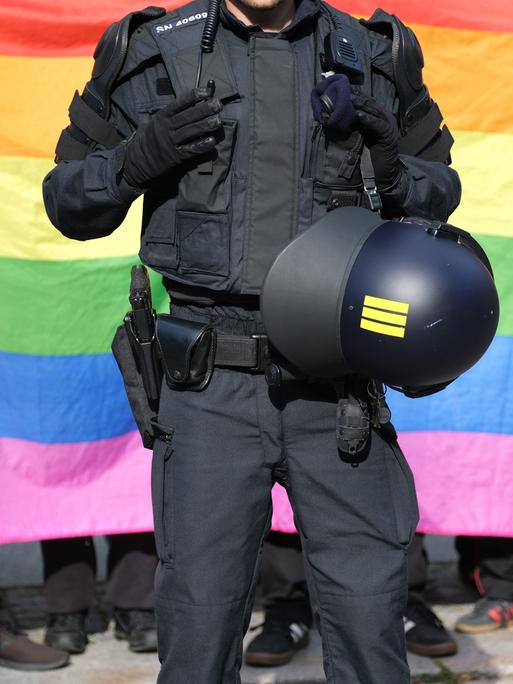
331	103
381	135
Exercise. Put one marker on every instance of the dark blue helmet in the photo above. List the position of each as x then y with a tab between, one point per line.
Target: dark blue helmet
410	302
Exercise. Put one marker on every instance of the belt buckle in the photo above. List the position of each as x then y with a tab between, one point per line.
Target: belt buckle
262	353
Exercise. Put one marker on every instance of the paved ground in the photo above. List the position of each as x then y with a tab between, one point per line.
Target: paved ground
487	658
483	660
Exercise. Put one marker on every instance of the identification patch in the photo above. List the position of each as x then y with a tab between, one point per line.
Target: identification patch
181	22
384	316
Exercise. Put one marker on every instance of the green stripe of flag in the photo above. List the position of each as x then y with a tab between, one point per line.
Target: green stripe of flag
66	307
500	252
73	307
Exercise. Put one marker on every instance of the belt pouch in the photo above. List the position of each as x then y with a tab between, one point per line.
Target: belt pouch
187	351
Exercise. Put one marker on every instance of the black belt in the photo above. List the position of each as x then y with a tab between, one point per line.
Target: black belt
190	350
242	351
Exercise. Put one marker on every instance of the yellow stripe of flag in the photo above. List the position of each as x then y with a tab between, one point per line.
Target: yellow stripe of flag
26	231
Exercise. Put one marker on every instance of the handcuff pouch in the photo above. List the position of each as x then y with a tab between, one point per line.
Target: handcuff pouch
187	351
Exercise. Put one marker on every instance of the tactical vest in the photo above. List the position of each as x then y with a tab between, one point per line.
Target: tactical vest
223	222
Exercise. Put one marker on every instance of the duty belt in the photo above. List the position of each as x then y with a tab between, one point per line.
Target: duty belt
190	350
241	351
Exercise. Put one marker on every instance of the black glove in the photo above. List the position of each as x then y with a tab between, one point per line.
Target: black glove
188	127
381	135
331	102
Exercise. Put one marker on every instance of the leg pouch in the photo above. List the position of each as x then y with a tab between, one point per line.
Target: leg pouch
404	497
161	494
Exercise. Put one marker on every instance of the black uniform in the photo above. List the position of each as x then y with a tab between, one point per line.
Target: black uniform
212	229
283	583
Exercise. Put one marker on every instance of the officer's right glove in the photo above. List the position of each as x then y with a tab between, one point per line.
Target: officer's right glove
381	135
331	103
188	127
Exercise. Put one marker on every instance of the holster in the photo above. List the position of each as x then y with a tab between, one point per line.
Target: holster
187	350
144	409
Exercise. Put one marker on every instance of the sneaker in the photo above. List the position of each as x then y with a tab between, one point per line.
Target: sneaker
425	633
487	616
67	632
20	653
138	627
277	643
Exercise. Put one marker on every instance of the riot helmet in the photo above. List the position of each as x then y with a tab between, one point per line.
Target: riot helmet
411	302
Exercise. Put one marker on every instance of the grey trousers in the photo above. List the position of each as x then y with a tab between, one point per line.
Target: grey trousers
211	488
212	506
283	582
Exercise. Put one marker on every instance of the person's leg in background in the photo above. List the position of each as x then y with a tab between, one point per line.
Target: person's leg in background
129	590
425	633
69	569
70	590
489	560
288	615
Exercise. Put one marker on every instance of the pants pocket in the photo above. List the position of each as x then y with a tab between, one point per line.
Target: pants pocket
161	493
402	488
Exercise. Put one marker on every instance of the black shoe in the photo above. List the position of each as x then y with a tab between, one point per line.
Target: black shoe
67	632
138	627
277	643
97	621
425	633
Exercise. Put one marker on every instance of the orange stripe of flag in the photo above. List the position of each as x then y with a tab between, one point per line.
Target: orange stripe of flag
468	74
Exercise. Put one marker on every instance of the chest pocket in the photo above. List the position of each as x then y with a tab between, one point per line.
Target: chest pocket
202	210
203	188
341	160
337	177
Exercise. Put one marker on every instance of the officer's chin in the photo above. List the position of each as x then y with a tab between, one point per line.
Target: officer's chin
261	4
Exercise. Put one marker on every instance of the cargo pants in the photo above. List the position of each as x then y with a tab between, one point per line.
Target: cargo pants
223	448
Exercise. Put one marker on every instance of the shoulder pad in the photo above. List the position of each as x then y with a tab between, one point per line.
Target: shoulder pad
90	111
407	57
111	51
419	116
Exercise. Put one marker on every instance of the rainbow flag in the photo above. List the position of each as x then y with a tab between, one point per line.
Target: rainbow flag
70	460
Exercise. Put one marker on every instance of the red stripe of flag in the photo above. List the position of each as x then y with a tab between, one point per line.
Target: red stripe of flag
40	28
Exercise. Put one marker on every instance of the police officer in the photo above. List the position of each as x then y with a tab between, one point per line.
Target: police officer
230	176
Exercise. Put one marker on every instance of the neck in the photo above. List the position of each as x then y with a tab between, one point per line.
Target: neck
272	19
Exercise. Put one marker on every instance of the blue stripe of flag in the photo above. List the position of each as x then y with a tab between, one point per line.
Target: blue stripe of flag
59	399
